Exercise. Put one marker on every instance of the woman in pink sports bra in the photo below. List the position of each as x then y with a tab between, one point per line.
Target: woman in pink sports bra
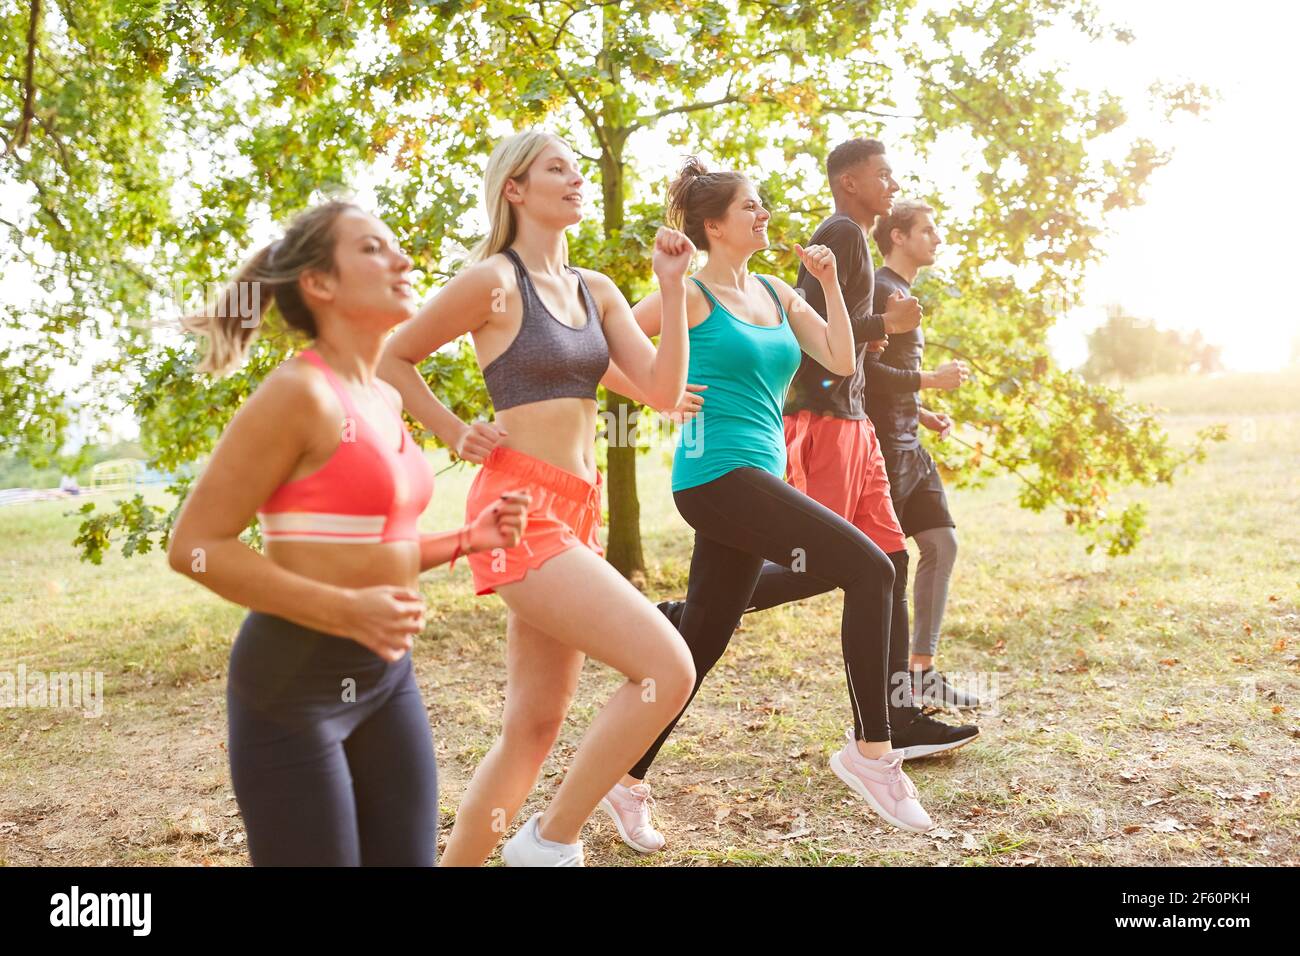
330	750
545	335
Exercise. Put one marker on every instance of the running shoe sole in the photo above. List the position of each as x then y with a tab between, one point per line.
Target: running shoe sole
919	751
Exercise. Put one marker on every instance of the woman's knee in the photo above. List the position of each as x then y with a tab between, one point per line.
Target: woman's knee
876	566
670	677
683	678
871	571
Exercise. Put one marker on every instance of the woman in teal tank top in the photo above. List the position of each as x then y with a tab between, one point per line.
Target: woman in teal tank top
747	368
746	333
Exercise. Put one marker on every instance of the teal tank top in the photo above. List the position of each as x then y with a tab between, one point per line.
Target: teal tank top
748	369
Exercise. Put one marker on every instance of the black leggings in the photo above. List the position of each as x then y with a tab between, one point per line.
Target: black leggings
330	751
749	514
778	585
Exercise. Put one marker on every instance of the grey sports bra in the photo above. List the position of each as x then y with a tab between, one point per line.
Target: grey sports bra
547	358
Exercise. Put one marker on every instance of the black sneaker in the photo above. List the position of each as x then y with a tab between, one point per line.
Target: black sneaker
673	611
924	737
931	689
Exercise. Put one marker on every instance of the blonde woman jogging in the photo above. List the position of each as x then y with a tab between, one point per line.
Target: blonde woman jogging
545	335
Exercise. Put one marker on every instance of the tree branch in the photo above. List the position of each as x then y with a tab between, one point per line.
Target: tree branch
964	356
561	29
58	141
135	270
29	109
587	157
731	98
48	205
592	118
842	110
646	120
1050	498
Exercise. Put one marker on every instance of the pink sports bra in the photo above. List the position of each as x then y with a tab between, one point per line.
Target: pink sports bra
366	493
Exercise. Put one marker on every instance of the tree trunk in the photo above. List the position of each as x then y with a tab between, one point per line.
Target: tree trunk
623	550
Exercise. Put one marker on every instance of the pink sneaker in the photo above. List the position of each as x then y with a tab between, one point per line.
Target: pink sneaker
883	785
629	808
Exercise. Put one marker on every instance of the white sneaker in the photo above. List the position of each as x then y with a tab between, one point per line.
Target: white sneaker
526	848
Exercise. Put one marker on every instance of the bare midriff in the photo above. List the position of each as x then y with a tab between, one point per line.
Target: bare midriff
559	431
395	563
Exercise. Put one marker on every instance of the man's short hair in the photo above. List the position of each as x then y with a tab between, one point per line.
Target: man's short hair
849	154
903	216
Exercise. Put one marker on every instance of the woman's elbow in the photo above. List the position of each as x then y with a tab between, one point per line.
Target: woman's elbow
176	557
846	367
392	365
184	556
665	399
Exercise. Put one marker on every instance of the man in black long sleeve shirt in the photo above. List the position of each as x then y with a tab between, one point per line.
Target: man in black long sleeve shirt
814	388
908	239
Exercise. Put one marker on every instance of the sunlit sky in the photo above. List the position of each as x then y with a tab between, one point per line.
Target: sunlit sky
1216	236
1218	232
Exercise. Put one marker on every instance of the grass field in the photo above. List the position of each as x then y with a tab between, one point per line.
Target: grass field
1146	710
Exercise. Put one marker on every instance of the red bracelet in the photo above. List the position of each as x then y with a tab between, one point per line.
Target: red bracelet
462	547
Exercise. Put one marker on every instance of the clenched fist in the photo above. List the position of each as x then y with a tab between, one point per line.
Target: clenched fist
672	255
819	261
902	312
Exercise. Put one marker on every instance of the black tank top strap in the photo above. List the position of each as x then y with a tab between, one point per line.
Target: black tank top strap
514	257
